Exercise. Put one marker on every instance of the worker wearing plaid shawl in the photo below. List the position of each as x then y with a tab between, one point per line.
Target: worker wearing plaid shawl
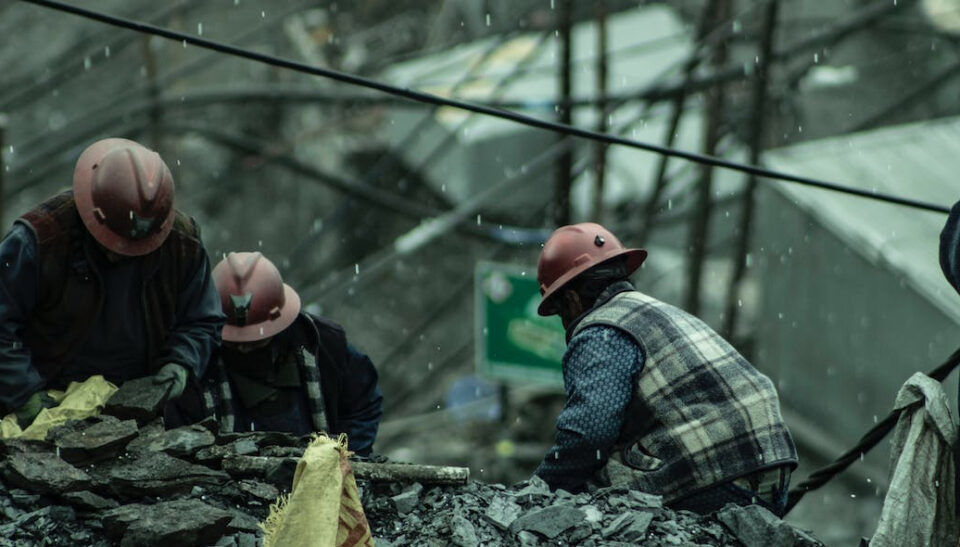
656	400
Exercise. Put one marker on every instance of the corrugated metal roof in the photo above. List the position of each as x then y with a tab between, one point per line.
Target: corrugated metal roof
919	161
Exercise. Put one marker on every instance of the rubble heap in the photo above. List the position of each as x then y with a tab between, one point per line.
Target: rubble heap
121	479
528	514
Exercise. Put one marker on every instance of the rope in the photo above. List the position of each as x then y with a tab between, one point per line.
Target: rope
473	107
869	440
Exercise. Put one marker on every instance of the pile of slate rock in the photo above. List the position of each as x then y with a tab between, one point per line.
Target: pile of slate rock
528	514
121	479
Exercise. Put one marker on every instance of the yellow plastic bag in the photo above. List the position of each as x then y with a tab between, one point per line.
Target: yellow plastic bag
81	400
323	508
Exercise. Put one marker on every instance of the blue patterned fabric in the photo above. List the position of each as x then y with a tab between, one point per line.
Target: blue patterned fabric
600	368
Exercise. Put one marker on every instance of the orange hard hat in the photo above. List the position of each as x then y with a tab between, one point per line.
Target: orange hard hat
124	194
572	250
257	302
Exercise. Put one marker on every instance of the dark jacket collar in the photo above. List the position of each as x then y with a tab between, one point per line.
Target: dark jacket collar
605	295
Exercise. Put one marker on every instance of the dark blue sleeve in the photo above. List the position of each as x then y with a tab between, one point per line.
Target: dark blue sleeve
600	368
360	403
950	247
18	297
196	333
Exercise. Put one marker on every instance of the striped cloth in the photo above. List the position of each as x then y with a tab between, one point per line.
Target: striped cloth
702	414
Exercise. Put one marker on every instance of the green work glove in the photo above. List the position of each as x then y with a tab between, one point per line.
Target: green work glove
28	412
175	375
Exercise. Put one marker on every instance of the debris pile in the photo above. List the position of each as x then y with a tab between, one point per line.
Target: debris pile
528	514
121	479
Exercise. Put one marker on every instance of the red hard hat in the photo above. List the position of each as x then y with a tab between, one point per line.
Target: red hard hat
124	194
257	302
572	250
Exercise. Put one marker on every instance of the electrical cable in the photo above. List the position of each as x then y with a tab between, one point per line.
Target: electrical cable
870	439
480	109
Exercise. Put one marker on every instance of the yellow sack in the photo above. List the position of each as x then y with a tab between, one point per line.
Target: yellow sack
81	400
323	508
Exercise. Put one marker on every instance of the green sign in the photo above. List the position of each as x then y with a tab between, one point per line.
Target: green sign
514	343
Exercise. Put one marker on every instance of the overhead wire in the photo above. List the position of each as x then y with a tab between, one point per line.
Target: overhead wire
473	107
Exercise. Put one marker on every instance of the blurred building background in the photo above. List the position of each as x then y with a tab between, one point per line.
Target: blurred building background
378	209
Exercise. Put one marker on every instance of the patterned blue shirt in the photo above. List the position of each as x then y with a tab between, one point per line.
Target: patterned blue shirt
600	369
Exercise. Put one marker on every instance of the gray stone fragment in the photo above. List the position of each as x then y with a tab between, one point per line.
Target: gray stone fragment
22	498
148	433
180	522
579	533
250	540
139	399
644	499
158	474
275	451
265	438
502	512
243	522
528	539
97	441
89	501
551	521
259	490
532	491
755	526
44	473
462	532
533	485
593	514
407	500
615	526
181	442
636	527
45	518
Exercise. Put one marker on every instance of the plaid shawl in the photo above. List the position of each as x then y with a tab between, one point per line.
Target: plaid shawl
701	414
222	401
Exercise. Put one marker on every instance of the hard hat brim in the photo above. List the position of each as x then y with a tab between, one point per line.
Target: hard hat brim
635	258
266	329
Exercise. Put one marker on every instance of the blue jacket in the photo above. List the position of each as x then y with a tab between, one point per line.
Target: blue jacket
112	344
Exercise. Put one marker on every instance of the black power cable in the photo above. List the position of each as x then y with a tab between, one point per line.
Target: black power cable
480	109
869	440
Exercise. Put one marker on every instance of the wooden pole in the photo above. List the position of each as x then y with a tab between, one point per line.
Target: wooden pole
600	149
760	88
697	242
563	182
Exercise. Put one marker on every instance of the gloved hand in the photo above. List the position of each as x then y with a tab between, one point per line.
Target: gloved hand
174	374
28	412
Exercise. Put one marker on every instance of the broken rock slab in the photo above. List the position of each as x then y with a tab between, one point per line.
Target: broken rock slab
180	442
550	522
178	522
139	399
88	501
157	474
99	439
755	526
44	473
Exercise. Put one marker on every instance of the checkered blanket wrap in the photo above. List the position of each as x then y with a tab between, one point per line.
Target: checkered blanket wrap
309	375
704	414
